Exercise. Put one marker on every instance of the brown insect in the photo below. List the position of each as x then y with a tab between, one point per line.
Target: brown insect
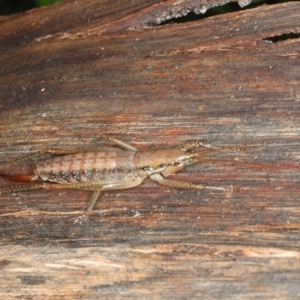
112	170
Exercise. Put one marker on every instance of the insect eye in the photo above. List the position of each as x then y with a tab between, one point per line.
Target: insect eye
176	163
161	165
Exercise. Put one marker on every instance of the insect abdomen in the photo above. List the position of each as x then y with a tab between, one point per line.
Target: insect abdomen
86	167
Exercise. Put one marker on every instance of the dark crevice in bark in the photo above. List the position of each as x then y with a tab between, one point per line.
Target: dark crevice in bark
192	15
283	37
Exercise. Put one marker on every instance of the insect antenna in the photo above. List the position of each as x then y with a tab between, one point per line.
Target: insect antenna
197	157
252	164
238	147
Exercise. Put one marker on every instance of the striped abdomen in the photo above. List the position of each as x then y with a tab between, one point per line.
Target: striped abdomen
86	167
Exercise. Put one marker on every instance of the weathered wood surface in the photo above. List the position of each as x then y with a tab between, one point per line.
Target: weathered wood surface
79	69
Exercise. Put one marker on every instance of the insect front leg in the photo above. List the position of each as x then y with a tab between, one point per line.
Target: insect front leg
185	185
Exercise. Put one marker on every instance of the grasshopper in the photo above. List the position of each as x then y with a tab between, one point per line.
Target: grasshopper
99	171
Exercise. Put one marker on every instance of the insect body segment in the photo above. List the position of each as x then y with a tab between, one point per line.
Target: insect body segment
112	170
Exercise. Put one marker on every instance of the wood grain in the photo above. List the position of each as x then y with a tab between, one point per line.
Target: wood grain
80	69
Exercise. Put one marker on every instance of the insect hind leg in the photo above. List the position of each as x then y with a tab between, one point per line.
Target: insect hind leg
41	152
93	200
120	143
61	151
97	186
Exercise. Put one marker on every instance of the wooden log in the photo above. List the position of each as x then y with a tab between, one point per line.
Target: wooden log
79	69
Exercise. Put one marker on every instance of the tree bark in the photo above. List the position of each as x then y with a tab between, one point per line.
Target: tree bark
80	69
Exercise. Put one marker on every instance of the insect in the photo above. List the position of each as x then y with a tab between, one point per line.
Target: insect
99	171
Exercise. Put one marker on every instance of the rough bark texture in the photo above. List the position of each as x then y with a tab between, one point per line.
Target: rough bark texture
79	69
